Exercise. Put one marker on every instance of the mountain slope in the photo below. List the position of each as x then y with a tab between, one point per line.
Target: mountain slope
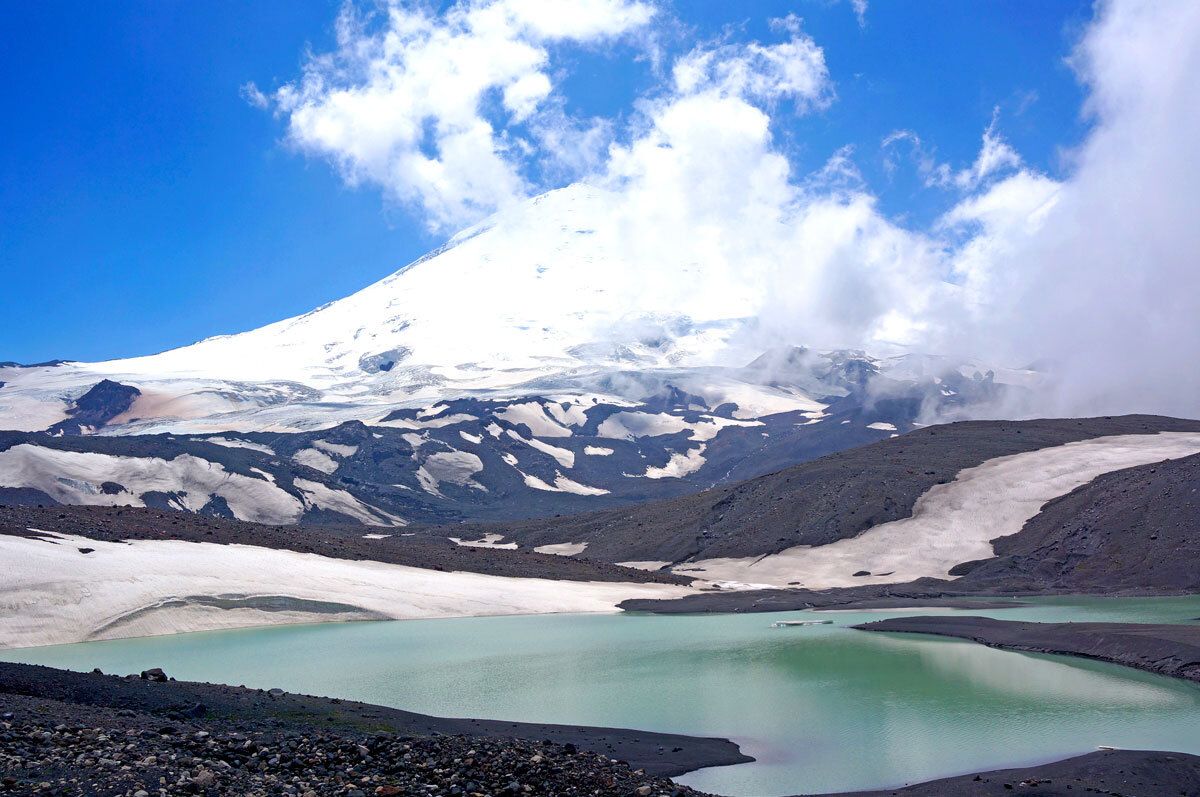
818	503
534	301
533	366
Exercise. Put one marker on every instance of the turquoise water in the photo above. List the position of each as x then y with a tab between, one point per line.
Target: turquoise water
823	708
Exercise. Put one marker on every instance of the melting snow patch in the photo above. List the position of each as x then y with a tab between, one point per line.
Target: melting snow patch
471	438
452	467
712	425
231	442
571	415
149	587
315	459
432	423
488	541
563	548
320	496
597	451
882	426
71	477
431	412
534	416
679	465
337	449
562	485
647	565
631	425
565	457
756	401
375	536
954	522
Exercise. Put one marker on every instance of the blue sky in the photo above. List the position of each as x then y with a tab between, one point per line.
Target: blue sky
145	204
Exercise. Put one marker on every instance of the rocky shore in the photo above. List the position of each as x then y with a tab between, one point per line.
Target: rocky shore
76	734
1165	649
66	733
927	593
1116	773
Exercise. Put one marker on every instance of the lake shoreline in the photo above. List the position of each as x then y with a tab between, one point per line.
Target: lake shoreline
71	694
211	726
1165	649
1103	772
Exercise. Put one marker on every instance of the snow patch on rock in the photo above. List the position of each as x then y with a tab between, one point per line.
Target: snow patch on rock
317	460
71	477
149	587
953	522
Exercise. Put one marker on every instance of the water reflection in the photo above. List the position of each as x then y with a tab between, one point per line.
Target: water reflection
823	708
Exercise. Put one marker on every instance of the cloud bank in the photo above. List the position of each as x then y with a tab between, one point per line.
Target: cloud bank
459	114
443	111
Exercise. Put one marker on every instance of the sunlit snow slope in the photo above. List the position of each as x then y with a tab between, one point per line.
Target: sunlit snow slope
535	299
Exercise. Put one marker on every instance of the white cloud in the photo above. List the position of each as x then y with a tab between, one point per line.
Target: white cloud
995	156
403	102
712	207
1108	285
794	69
254	96
1095	271
860	11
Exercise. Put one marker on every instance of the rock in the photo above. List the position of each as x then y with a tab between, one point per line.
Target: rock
154	674
861	573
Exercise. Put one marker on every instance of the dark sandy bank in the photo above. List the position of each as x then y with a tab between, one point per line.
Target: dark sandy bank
1106	772
75	694
1159	648
74	734
872	596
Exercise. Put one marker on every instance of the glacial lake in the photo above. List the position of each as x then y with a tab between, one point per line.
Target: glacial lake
823	708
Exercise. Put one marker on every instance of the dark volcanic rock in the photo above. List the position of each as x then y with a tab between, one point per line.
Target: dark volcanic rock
1159	648
25	496
211	711
1107	772
106	400
816	503
1125	531
73	734
114	524
927	592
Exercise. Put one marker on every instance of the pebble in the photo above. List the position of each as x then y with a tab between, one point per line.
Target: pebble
40	755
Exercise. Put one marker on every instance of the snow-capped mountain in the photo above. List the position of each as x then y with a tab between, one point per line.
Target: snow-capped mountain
534	364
